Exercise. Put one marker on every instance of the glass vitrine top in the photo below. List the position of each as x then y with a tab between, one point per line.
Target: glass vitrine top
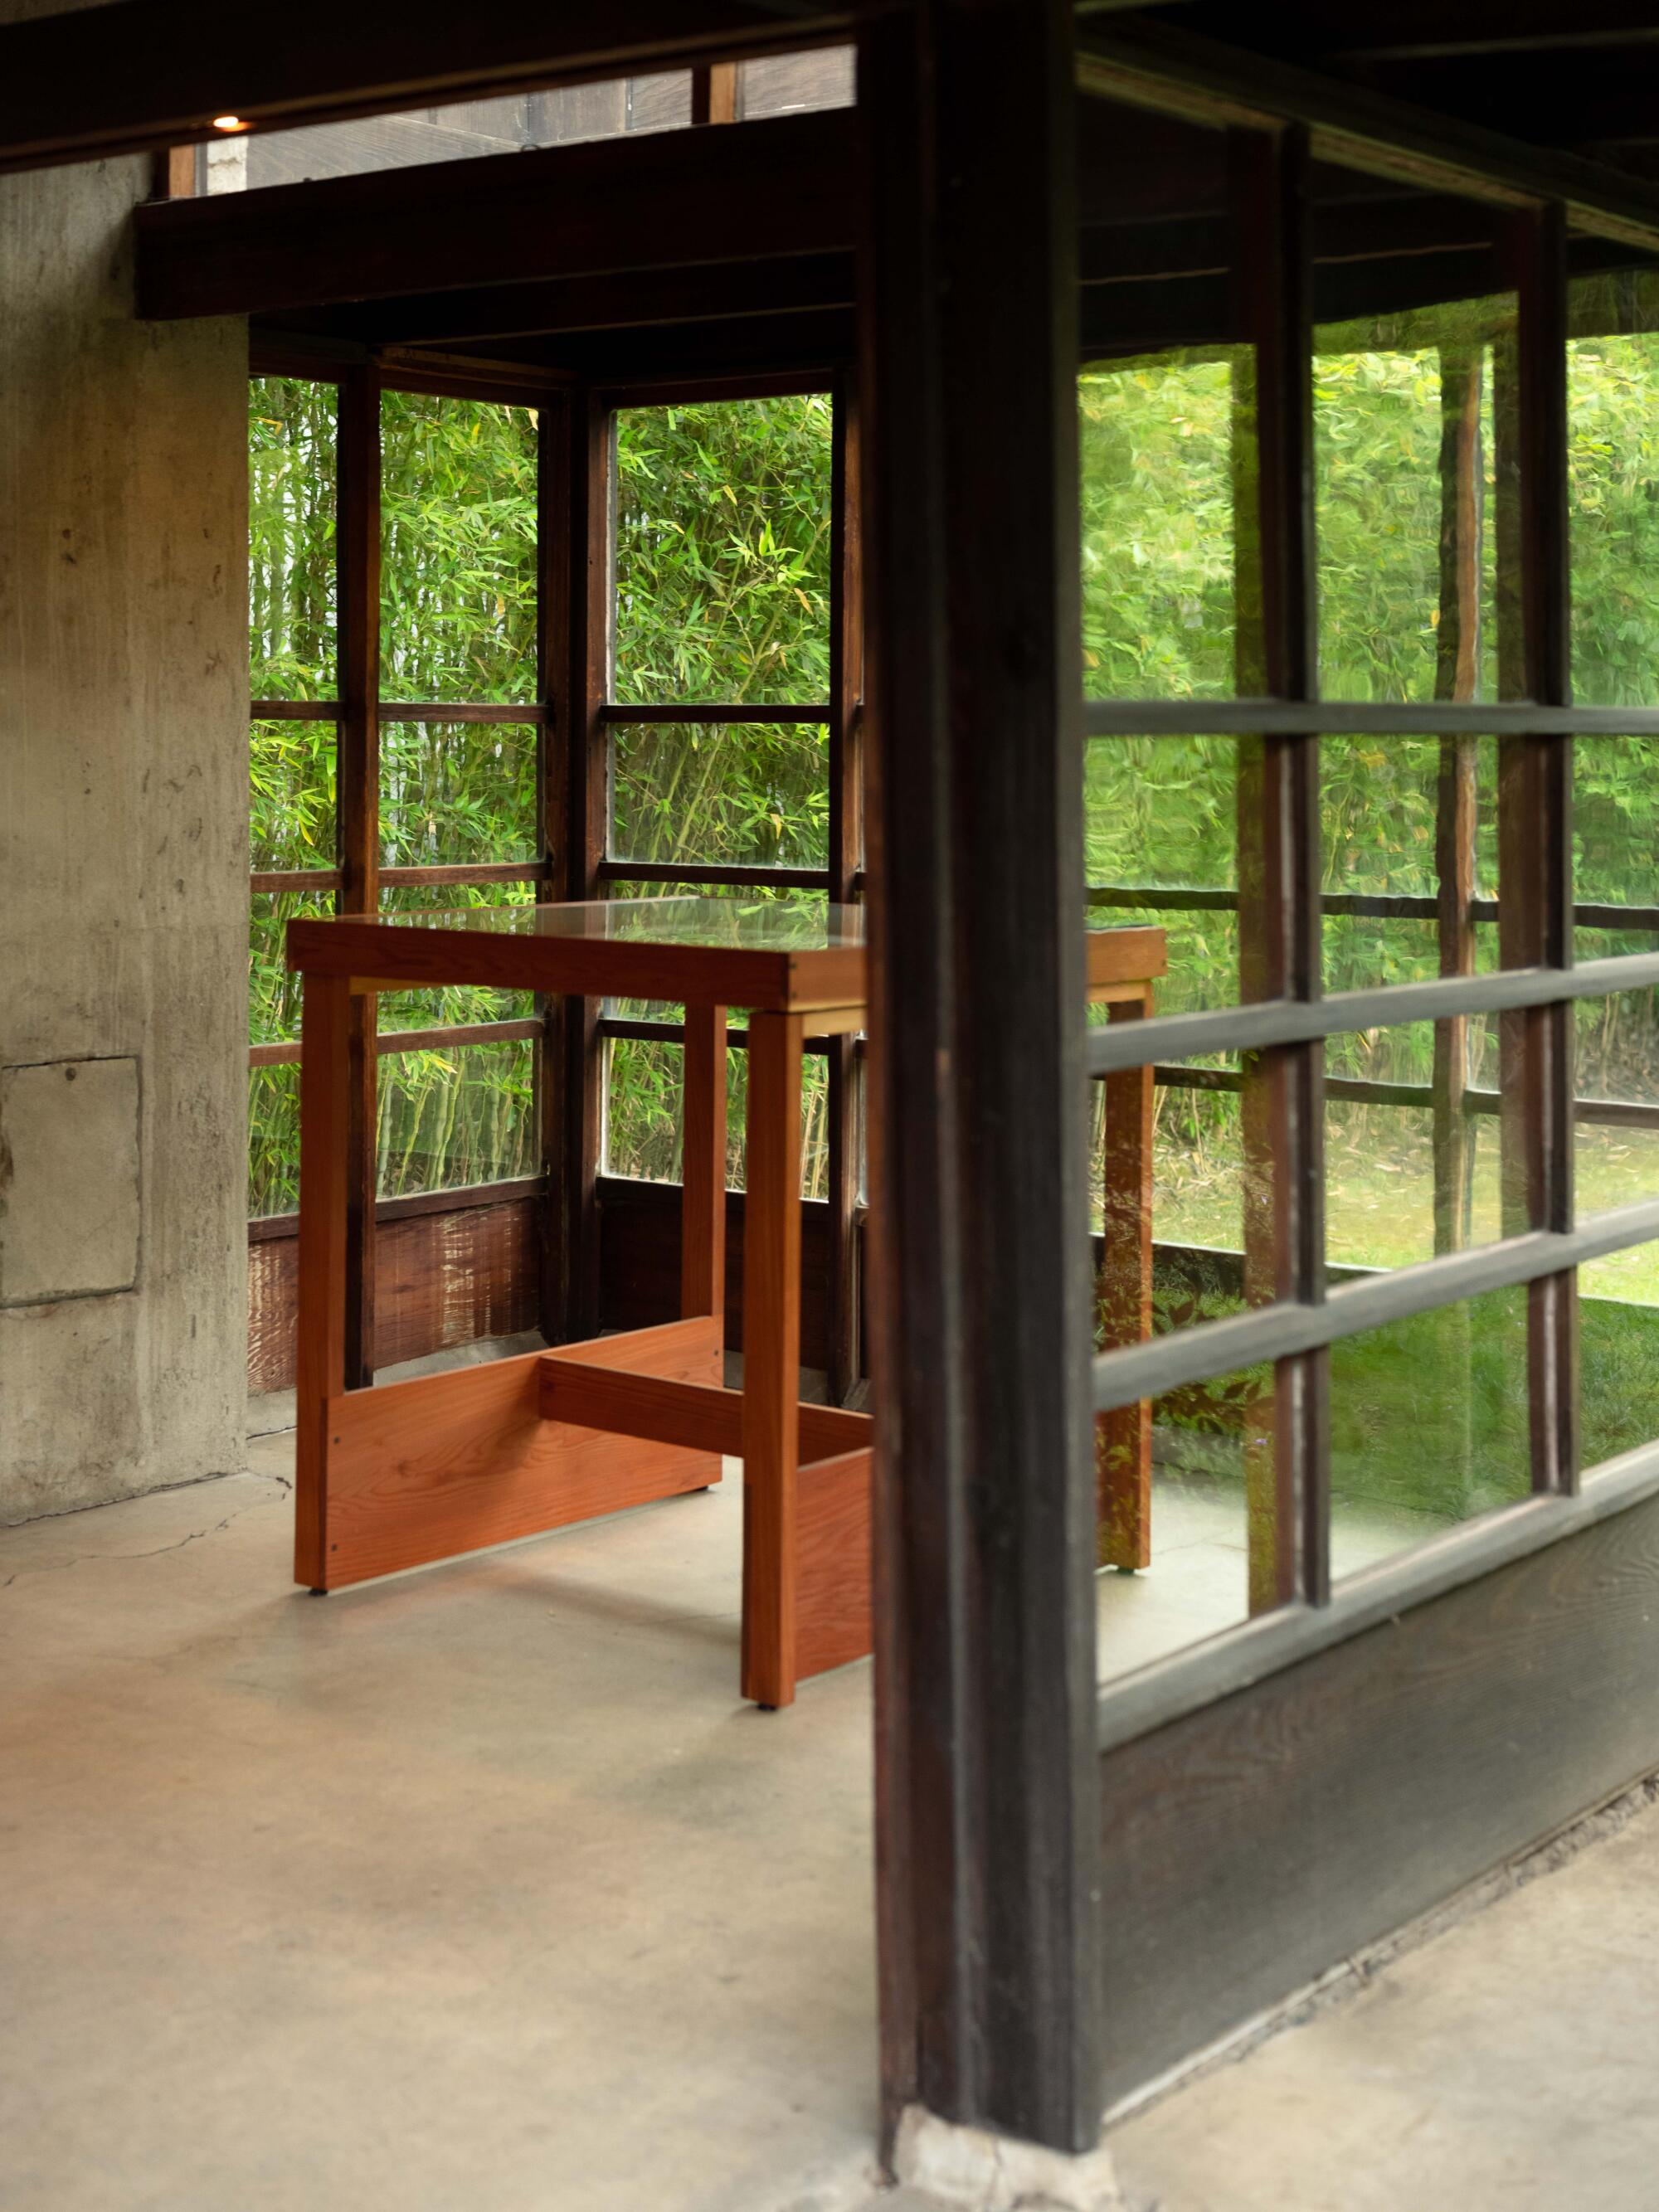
793	925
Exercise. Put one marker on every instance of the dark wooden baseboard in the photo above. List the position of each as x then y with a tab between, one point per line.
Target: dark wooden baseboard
1251	1845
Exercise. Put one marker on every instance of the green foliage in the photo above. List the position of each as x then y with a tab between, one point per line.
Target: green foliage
722	552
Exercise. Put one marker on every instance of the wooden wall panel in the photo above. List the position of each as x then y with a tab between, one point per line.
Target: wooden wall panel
640	1263
1249	1846
442	1279
445	1279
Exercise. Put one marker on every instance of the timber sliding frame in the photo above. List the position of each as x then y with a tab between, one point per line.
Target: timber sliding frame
1278	1796
987	1840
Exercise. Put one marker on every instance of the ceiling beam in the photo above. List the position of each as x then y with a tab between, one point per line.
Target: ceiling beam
614	299
1314	32
140	75
657	199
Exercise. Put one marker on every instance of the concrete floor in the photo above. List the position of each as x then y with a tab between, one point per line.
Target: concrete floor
1506	2066
480	1888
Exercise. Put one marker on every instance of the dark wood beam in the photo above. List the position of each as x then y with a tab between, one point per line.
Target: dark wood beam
982	1305
815	340
660	200
1413	30
614	299
149	74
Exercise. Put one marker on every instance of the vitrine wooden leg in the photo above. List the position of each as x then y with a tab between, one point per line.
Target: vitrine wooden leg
771	1357
325	1120
702	1153
1124	1437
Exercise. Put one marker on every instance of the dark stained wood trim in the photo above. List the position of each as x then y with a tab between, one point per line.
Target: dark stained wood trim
273	1227
846	848
1535	834
608	300
1279	869
357	779
158	72
776	187
984	1516
1259	1841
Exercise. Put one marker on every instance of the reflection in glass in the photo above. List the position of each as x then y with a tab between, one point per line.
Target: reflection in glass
1203	1438
458	572
291	575
451	1118
1413	387
1156	438
460	1004
455	793
723	552
273	1140
753	794
1613	475
291	769
642	1093
273	993
1428	1426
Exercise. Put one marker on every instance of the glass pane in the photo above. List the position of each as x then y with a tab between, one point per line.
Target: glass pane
458	583
643	1106
450	1119
756	794
291	495
1616	1163
1392	1197
722	551
1615	831
1199	1188
1413	350
291	774
457	792
273	993
1156	439
457	131
1613	392
1203	1440
273	1141
785	84
460	1004
1428	1426
1161	813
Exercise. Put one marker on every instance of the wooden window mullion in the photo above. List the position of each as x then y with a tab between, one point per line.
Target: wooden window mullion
1287	1452
1534	829
357	783
846	836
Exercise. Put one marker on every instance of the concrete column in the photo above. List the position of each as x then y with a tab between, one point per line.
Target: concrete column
123	861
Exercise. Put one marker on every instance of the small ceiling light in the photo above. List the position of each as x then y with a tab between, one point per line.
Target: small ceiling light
228	123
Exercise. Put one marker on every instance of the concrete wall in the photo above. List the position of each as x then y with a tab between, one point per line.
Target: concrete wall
123	861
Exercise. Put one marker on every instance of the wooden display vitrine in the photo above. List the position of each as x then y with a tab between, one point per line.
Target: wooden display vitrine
407	1473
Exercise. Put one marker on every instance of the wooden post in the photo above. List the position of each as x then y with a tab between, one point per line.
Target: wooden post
714	93
357	554
702	1164
1535	821
1282	1107
771	1357
1458	642
980	1291
324	1304
581	756
846	858
1123	1295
